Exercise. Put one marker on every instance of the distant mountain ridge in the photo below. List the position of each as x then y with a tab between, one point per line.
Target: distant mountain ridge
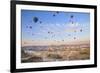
44	48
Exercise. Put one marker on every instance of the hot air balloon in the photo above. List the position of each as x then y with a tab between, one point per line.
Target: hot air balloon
74	37
71	19
35	19
69	35
30	27
54	15
74	30
26	26
32	34
48	32
81	30
72	22
71	16
40	22
51	32
57	12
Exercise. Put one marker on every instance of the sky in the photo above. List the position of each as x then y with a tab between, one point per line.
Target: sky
53	27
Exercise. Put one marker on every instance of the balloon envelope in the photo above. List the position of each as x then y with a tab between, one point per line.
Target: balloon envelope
71	16
35	19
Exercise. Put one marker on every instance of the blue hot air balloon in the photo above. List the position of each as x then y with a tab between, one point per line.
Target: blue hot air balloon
35	19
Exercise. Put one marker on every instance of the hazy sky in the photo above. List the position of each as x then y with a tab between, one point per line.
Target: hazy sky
48	27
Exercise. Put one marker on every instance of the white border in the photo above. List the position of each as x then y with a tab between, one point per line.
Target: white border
51	64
